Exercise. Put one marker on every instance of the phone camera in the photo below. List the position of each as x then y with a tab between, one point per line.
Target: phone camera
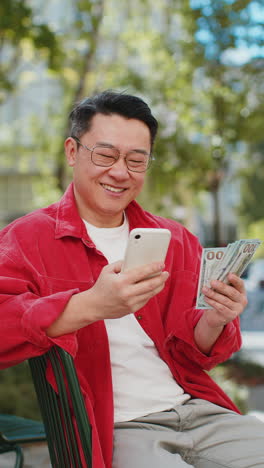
137	236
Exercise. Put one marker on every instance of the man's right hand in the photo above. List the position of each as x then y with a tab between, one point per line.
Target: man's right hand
117	294
113	296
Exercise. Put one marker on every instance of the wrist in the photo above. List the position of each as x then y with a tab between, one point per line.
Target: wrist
90	307
212	322
77	314
206	334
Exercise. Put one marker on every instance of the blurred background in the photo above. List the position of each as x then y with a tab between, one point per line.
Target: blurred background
200	66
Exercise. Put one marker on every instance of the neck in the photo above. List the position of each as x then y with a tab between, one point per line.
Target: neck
101	220
103	223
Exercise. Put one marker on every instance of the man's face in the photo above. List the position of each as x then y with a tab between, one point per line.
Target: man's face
103	193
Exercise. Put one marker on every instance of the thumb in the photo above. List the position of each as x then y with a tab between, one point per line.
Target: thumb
115	267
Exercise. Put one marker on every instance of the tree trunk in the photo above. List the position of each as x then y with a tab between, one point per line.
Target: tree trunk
60	170
216	218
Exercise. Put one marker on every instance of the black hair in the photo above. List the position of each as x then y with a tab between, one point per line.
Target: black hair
107	103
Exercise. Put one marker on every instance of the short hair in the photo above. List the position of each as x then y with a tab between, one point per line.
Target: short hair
107	103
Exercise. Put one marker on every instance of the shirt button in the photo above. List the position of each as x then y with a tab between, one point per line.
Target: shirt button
139	317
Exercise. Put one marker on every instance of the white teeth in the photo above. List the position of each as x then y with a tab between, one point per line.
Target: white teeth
112	189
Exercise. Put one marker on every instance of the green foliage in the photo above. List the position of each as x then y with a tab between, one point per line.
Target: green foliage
19	30
174	54
255	231
17	393
251	207
202	100
15	18
245	371
237	392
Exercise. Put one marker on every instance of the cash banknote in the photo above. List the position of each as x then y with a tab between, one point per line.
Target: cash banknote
218	262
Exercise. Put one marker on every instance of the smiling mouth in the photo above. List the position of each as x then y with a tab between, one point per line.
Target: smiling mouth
113	189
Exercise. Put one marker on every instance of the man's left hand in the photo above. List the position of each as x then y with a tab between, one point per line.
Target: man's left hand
228	300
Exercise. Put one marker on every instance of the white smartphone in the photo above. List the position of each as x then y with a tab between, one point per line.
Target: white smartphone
146	245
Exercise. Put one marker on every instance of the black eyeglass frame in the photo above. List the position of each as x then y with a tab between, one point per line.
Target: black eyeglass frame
110	165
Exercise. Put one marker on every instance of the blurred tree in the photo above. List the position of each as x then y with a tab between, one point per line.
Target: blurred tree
252	176
151	50
251	207
20	32
228	97
255	231
17	393
179	54
81	44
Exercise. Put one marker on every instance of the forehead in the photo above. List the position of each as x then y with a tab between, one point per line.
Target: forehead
116	129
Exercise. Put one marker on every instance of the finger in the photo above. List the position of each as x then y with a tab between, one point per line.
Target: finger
214	298
226	313
142	299
151	285
141	273
237	282
114	267
226	290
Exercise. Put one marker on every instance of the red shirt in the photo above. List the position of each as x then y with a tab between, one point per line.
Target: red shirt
47	256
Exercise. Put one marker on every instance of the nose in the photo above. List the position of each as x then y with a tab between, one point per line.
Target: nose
119	170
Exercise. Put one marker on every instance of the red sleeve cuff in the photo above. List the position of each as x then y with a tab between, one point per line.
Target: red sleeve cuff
182	341
41	315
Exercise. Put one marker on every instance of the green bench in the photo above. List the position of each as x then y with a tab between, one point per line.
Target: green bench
56	408
15	431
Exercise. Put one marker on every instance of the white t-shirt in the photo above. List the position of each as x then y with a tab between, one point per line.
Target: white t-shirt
142	381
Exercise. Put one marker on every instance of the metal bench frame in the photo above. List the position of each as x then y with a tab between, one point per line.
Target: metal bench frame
16	431
59	409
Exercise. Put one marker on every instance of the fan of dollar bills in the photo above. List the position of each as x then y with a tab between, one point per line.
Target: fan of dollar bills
217	262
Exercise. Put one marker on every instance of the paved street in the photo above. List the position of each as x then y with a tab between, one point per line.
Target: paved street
252	325
252	318
35	456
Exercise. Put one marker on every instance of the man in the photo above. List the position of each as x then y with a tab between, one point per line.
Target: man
139	345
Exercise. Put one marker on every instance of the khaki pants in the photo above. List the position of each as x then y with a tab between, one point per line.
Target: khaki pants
197	434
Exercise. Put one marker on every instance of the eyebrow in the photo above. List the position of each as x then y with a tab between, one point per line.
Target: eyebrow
109	145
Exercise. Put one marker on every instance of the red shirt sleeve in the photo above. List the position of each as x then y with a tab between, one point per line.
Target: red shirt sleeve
25	315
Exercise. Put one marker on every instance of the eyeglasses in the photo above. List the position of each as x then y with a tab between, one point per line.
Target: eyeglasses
107	156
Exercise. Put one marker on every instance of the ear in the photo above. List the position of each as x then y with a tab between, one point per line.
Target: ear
70	147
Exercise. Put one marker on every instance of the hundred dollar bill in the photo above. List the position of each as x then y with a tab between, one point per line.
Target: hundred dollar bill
237	260
210	258
216	263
